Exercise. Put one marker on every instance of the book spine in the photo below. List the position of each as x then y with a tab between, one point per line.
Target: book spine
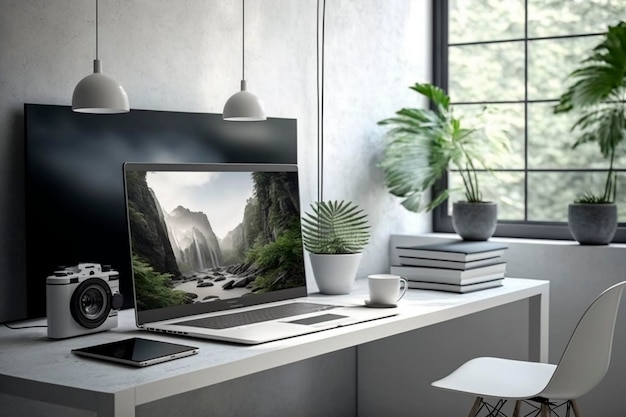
446	280
435	263
453	274
456	288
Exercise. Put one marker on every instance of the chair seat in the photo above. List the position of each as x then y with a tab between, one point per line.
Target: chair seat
501	378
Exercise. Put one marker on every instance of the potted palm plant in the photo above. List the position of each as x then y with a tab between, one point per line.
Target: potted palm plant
597	93
423	143
335	233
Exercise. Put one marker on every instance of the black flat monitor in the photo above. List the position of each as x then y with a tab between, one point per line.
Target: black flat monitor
75	209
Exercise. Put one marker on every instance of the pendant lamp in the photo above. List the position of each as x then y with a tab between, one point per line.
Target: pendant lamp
99	93
243	106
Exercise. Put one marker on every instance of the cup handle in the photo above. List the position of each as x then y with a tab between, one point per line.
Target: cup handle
405	286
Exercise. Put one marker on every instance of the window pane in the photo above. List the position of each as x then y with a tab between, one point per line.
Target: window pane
620	198
505	188
549	193
550	141
506	117
550	61
480	20
558	17
491	72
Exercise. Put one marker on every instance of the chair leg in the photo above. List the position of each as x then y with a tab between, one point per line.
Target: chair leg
545	411
475	407
575	408
518	403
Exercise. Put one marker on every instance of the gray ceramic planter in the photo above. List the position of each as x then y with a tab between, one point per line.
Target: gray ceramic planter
474	221
592	224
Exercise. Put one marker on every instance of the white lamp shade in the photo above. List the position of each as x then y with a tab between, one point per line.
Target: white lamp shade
99	93
243	107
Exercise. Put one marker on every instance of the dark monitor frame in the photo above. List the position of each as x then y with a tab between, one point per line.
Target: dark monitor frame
74	197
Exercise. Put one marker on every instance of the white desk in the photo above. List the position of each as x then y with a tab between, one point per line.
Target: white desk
32	366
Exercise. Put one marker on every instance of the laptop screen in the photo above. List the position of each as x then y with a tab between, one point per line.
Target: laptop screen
212	237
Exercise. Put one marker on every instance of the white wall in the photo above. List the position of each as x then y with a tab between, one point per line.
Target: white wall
185	55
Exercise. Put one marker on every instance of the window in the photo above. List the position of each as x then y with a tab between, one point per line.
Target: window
514	57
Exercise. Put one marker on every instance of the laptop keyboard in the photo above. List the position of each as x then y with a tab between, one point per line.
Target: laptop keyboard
256	316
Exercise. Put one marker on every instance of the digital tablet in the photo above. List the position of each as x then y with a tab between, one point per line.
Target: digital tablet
137	351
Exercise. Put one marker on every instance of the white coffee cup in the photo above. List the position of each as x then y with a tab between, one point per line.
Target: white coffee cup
385	288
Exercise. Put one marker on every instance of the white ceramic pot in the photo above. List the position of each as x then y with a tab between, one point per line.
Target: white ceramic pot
335	274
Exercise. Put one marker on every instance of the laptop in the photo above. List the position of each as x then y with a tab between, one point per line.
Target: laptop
217	253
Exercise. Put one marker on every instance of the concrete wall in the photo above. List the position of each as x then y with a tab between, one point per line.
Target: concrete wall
185	55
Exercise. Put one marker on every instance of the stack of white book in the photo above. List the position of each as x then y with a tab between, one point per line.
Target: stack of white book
460	266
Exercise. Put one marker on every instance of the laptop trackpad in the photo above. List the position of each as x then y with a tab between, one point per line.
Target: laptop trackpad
318	319
275	330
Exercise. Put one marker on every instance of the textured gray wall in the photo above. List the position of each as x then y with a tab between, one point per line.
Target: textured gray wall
185	55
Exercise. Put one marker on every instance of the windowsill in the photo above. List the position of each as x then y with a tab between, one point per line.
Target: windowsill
513	240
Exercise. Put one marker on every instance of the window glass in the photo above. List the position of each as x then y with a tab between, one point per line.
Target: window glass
572	17
549	193
487	72
504	119
482	20
550	141
550	61
505	188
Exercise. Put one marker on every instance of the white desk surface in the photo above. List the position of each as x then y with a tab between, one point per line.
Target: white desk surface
33	366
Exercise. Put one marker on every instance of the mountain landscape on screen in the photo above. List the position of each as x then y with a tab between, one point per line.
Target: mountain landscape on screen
241	236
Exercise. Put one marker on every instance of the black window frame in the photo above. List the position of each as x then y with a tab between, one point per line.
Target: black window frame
442	222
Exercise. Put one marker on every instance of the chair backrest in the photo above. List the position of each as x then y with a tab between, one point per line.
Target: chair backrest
586	358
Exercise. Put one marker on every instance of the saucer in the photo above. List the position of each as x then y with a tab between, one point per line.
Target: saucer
368	303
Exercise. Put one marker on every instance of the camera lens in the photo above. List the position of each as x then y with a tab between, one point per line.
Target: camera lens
91	303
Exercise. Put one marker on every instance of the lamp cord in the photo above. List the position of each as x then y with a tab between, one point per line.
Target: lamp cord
317	79
96	29
320	101
243	39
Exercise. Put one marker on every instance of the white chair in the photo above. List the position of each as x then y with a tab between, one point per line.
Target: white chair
545	387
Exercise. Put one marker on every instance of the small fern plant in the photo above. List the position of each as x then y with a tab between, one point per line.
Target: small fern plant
335	227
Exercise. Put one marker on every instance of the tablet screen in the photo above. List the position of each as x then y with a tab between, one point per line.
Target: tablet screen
137	351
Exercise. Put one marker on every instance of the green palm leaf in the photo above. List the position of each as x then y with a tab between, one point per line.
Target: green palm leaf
597	92
335	227
423	143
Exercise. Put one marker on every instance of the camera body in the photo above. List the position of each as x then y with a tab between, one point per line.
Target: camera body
82	299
